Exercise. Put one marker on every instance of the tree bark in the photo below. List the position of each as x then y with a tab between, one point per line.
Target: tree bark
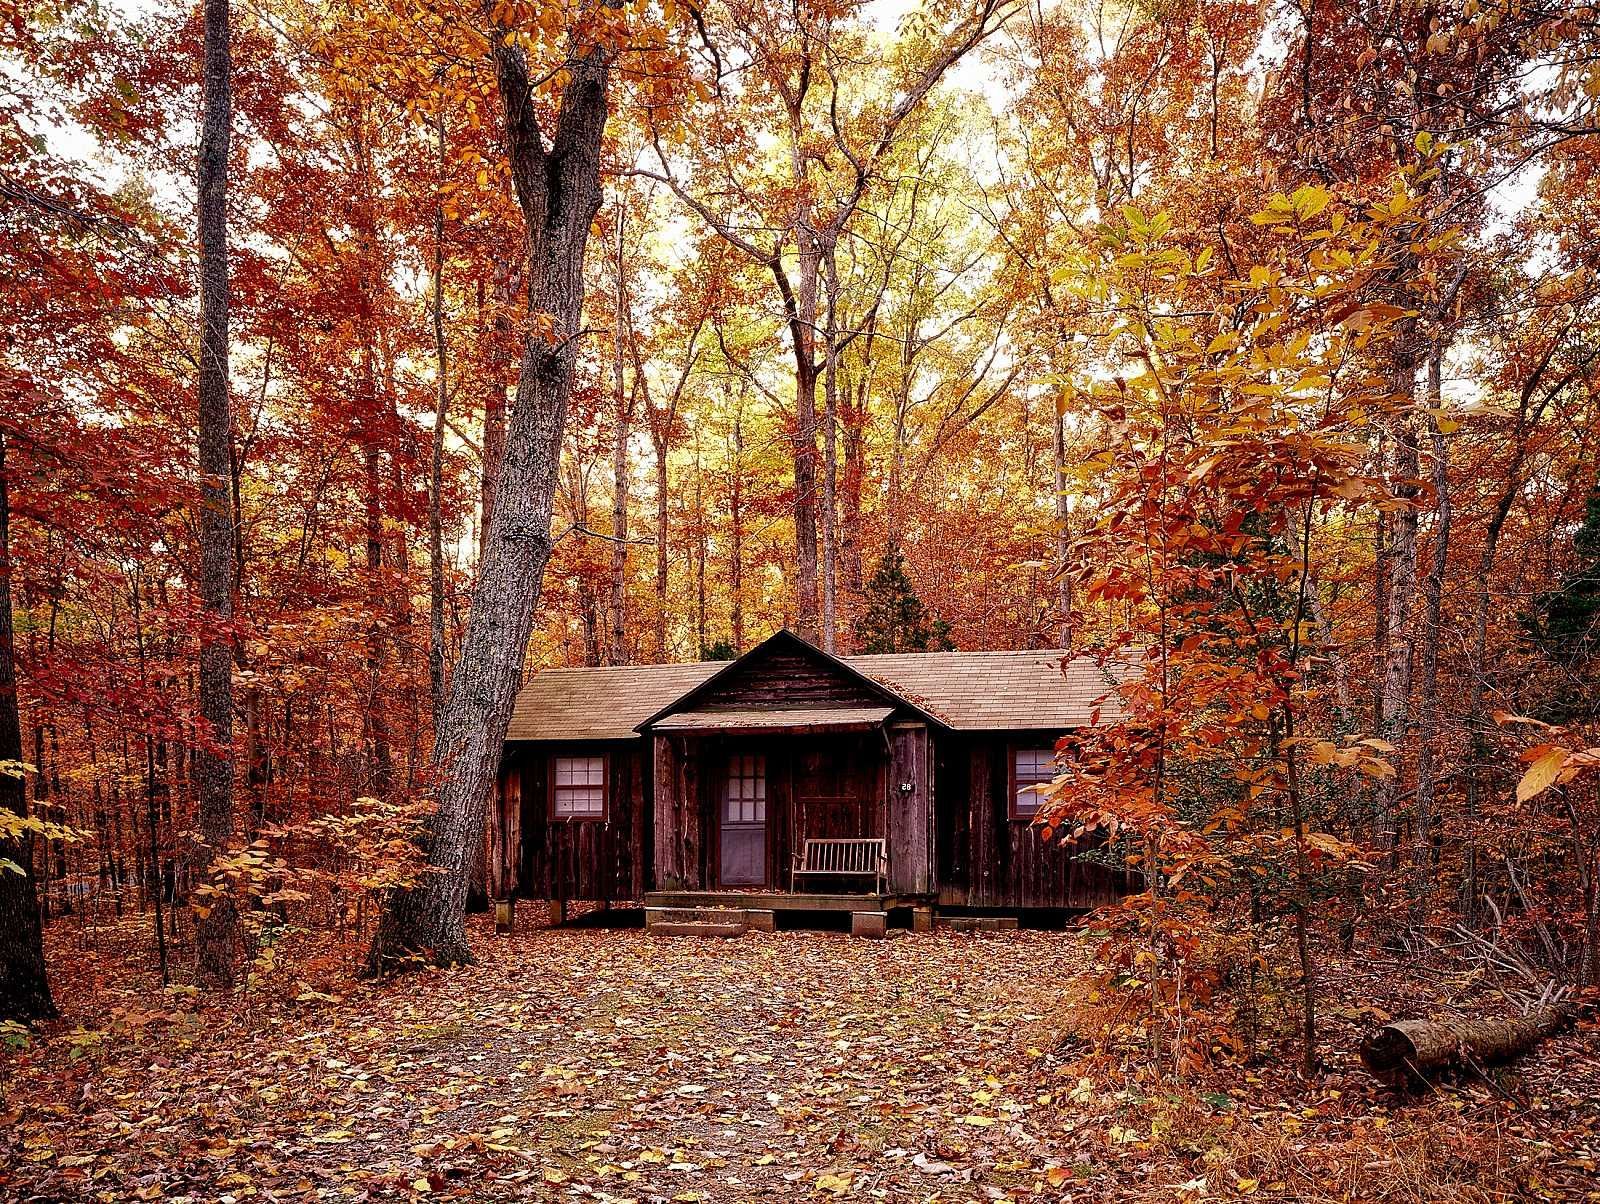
1058	447
441	403
623	421
830	456
1395	697
24	989
1433	600
214	928
1411	1050
736	540
558	189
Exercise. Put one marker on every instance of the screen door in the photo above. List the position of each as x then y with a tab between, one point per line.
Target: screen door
744	821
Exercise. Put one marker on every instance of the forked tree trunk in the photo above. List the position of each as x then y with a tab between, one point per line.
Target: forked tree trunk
214	760
558	188
24	990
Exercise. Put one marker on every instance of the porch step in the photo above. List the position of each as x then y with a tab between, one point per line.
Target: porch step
696	921
979	923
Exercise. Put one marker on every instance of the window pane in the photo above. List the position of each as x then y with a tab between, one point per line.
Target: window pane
745	792
579	787
1033	769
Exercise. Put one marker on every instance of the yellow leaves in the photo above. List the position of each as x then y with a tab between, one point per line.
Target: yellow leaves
834	1184
979	1122
1547	763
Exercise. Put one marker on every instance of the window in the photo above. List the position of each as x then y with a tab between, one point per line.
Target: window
746	800
578	788
1032	771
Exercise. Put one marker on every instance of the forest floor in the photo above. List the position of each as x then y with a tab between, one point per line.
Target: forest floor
593	1064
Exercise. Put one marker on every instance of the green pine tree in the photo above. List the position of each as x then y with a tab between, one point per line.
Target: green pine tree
894	619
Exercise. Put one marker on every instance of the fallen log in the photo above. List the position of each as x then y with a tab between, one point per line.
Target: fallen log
1411	1050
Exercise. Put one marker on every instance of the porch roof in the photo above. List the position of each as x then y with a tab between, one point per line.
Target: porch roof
769	719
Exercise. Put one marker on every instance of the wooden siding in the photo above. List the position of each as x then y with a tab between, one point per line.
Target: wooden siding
910	790
786	679
988	859
604	861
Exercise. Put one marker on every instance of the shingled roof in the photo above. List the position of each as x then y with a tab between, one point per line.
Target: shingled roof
968	691
600	704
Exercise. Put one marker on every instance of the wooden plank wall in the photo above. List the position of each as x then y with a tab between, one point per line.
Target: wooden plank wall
603	862
504	837
787	678
910	828
1004	863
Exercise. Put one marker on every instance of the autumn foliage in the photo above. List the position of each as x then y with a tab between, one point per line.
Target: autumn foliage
1252	345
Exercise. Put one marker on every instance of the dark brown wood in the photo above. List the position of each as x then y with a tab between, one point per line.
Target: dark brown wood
910	818
666	801
505	836
595	860
1004	863
1415	1049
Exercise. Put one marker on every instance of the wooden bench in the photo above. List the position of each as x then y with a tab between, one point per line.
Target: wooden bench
863	856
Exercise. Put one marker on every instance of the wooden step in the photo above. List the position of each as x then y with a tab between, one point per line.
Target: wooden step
979	923
695	921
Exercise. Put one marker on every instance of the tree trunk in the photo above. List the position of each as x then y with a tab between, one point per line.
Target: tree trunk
1410	1050
736	540
830	458
214	928
436	464
660	441
623	419
1058	444
558	189
1395	698
1433	596
802	324
24	989
494	411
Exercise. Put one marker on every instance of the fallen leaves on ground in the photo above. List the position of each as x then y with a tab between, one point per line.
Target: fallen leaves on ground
608	1065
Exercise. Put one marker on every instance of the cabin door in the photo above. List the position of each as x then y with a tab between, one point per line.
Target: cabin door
744	821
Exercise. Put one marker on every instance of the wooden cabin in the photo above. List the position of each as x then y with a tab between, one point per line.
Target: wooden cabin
792	778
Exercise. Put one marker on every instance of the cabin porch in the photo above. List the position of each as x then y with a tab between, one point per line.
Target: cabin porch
740	813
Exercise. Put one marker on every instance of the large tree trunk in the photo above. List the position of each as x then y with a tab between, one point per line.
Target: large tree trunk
24	990
214	761
559	191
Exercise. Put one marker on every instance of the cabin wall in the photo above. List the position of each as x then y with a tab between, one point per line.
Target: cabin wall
988	859
604	861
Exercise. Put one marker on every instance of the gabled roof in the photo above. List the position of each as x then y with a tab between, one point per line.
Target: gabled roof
787	641
966	691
